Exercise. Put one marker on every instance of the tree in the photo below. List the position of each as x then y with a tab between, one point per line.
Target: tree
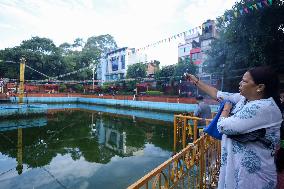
165	73
137	70
40	45
184	66
66	48
78	43
251	39
100	44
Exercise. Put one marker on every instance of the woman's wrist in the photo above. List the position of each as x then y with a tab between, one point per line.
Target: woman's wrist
225	113
196	81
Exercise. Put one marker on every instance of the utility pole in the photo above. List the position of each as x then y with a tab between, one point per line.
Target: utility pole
93	79
22	80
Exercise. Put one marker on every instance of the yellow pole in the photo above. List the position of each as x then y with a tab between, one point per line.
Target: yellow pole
195	130
19	167
175	133
184	132
22	80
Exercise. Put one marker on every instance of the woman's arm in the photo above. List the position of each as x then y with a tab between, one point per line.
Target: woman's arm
211	91
251	117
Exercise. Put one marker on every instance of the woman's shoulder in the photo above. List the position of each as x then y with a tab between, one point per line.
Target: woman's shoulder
266	106
268	102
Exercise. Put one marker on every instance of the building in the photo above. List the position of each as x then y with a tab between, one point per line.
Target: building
152	68
190	42
196	45
208	35
114	65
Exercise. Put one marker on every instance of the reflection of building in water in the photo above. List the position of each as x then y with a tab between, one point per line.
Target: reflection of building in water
111	138
115	140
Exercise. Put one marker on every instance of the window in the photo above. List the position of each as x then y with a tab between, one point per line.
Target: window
122	59
114	63
196	56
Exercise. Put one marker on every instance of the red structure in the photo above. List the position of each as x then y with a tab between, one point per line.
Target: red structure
195	55
34	88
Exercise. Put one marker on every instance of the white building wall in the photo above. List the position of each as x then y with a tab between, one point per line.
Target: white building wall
130	57
101	70
184	48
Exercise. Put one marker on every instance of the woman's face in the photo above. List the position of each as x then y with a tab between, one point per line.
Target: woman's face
248	88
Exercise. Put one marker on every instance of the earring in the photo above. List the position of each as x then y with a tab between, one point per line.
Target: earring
258	90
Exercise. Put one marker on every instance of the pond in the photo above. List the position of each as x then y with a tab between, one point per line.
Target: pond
80	148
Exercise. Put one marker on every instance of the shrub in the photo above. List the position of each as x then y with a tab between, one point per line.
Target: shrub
62	88
154	93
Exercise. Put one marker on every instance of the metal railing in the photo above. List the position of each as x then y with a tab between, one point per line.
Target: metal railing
195	166
186	130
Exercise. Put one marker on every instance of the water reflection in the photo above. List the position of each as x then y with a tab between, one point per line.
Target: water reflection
83	149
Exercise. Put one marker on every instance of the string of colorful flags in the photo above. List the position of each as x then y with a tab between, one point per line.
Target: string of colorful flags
247	9
236	13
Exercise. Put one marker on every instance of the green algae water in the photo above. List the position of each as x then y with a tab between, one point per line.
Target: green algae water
81	149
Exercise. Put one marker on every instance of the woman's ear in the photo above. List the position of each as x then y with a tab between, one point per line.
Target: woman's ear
260	88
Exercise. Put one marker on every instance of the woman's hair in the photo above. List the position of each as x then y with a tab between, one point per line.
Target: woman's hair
267	76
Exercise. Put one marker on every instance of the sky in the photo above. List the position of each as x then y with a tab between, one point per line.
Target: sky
132	23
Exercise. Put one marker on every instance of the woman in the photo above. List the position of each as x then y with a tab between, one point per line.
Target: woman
256	106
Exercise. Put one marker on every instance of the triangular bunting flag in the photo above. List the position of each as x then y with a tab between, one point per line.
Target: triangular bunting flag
241	11
270	2
251	7
236	14
246	10
255	6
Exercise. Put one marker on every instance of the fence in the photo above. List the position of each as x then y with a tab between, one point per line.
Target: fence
195	166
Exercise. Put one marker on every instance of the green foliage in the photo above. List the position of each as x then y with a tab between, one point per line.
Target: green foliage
78	88
43	55
130	85
105	87
62	88
166	72
183	66
251	39
137	70
102	44
154	93
39	45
